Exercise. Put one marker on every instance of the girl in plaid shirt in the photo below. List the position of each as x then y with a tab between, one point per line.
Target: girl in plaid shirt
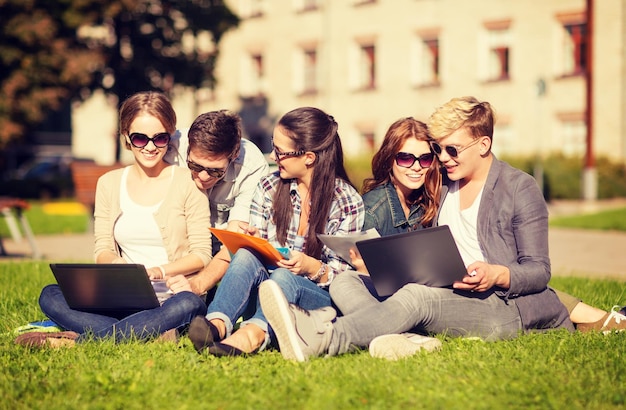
310	194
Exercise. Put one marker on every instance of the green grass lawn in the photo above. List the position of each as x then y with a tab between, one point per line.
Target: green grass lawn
554	370
44	222
607	220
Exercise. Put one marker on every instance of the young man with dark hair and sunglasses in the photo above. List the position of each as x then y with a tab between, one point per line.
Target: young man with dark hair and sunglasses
499	219
228	168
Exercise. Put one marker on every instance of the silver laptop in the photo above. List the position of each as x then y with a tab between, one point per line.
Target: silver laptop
116	290
428	257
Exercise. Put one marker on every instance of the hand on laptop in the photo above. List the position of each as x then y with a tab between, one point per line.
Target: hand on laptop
154	273
357	262
483	276
179	283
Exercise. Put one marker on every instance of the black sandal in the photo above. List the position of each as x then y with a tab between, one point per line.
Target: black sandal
203	333
221	350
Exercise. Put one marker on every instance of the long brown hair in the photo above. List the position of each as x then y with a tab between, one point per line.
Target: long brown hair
311	129
382	166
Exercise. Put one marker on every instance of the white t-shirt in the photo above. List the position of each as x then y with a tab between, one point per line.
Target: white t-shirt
463	224
137	232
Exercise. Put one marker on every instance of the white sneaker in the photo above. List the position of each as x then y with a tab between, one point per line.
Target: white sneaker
301	333
398	346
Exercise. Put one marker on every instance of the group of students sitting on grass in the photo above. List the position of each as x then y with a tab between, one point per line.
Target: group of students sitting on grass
156	213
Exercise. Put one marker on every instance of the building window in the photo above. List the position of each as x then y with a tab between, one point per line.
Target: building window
368	140
253	75
368	66
363	67
252	8
425	60
575	49
495	61
572	134
498	60
306	71
363	2
306	5
571	52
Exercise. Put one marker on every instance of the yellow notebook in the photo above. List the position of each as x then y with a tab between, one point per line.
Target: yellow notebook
235	240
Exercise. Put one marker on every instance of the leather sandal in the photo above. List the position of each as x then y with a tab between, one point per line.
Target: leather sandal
221	350
42	339
203	333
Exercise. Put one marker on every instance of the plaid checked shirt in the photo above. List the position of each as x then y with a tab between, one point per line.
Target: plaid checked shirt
346	215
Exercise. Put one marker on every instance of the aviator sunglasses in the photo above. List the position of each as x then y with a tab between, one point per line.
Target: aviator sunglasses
212	172
139	140
451	149
406	159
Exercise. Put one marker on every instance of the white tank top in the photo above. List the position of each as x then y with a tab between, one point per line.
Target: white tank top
463	224
137	232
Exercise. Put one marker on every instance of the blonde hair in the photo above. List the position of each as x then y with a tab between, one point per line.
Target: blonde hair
476	116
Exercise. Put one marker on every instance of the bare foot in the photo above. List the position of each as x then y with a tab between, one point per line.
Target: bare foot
221	327
247	339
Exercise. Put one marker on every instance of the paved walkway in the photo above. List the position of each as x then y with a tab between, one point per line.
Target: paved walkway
573	252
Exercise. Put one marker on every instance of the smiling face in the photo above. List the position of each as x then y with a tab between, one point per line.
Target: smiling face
467	164
150	156
409	179
201	178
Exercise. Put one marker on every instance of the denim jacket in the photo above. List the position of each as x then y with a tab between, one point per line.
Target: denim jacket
383	201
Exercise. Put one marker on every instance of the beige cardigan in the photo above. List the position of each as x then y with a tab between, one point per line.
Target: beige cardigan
183	218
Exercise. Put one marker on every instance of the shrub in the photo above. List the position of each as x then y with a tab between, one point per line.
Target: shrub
359	168
562	175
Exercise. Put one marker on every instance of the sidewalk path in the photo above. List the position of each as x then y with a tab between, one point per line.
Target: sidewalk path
54	248
578	252
573	252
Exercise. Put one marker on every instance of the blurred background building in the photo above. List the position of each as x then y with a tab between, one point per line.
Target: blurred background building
370	62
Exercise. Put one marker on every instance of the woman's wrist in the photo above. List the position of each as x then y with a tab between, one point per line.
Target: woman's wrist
162	269
319	274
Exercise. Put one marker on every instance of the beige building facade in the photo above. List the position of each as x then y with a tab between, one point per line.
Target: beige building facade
370	62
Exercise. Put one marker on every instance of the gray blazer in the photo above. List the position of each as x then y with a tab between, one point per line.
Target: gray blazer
513	231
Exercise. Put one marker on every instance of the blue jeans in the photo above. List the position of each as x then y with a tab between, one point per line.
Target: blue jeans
237	293
175	312
418	308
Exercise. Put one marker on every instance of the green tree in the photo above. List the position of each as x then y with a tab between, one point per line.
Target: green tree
161	43
52	51
42	61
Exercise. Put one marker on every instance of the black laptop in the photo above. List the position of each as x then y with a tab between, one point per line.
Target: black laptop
116	290
428	257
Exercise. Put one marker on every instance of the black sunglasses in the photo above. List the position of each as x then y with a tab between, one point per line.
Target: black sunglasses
406	159
139	140
213	172
451	149
282	155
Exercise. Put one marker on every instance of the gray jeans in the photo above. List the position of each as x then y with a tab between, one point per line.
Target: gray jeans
418	308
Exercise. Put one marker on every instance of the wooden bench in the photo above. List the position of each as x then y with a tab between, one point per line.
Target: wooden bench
85	176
